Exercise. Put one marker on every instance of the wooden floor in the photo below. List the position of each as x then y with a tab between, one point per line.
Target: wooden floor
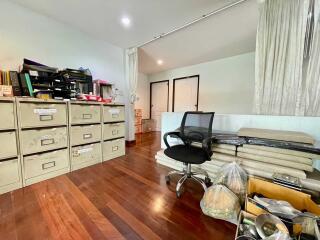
125	198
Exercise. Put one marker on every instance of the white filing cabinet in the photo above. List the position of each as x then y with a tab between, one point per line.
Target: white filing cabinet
113	145
85	134
43	138
10	167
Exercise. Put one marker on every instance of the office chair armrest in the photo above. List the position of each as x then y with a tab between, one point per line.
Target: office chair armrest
207	145
165	137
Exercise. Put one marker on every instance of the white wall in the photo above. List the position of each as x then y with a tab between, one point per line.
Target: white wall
143	93
26	34
226	85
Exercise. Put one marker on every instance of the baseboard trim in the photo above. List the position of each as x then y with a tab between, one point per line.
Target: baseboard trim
130	143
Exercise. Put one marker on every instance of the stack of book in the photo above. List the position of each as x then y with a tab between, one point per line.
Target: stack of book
9	84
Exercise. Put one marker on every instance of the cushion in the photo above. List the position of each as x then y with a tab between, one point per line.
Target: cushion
289	136
276	155
276	161
284	151
259	165
187	154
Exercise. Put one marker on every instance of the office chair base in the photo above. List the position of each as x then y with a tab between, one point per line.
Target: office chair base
187	174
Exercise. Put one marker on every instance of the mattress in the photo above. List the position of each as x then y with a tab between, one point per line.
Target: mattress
222	150
276	155
260	165
283	151
225	146
289	136
275	161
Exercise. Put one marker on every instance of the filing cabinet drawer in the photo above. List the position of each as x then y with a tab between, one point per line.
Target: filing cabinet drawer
8	143
42	114
113	130
40	140
7	120
113	114
88	153
85	134
113	149
39	164
9	172
84	114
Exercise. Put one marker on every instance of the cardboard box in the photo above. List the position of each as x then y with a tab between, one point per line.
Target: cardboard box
6	91
138	121
138	129
148	125
298	200
138	112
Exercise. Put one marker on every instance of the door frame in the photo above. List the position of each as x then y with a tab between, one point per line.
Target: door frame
174	89
150	105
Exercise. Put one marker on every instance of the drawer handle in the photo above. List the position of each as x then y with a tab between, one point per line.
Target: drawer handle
86	116
115	148
46	117
45	142
48	165
115	132
87	136
115	115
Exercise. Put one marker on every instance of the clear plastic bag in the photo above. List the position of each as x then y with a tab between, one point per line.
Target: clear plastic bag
220	203
233	177
278	236
278	207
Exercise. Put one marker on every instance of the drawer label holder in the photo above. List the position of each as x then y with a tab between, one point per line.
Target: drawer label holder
87	136
48	165
45	111
45	142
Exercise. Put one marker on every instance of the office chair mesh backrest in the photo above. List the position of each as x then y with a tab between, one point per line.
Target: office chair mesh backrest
196	126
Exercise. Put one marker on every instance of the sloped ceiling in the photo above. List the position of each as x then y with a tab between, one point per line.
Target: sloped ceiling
228	33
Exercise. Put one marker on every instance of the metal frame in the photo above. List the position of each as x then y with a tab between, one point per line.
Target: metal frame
174	89
185	174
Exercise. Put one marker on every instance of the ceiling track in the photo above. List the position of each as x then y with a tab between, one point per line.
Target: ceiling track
193	22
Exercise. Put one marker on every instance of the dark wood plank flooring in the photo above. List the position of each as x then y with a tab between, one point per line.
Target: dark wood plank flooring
125	198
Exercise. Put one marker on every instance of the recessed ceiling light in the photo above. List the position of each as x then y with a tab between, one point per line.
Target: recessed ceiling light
126	21
160	62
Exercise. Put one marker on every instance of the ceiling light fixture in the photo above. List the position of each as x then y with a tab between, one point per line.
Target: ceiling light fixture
126	21
160	62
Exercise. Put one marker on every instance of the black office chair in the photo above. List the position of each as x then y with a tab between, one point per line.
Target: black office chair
195	127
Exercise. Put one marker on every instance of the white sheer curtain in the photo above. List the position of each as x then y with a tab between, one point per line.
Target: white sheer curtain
312	88
279	56
131	73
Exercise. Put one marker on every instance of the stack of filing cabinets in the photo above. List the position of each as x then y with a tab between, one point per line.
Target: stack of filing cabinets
41	139
10	171
43	135
86	131
113	131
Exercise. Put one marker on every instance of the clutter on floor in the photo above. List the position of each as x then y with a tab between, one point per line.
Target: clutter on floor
280	199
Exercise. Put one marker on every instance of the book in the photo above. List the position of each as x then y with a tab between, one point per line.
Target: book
29	85
15	83
24	86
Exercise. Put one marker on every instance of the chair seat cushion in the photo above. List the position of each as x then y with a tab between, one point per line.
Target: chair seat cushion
187	154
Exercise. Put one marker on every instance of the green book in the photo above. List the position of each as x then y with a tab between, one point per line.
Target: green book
29	84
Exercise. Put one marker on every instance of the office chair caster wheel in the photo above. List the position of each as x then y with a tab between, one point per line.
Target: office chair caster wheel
167	179
178	193
207	181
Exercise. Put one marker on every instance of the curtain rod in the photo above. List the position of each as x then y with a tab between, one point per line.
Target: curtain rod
193	22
